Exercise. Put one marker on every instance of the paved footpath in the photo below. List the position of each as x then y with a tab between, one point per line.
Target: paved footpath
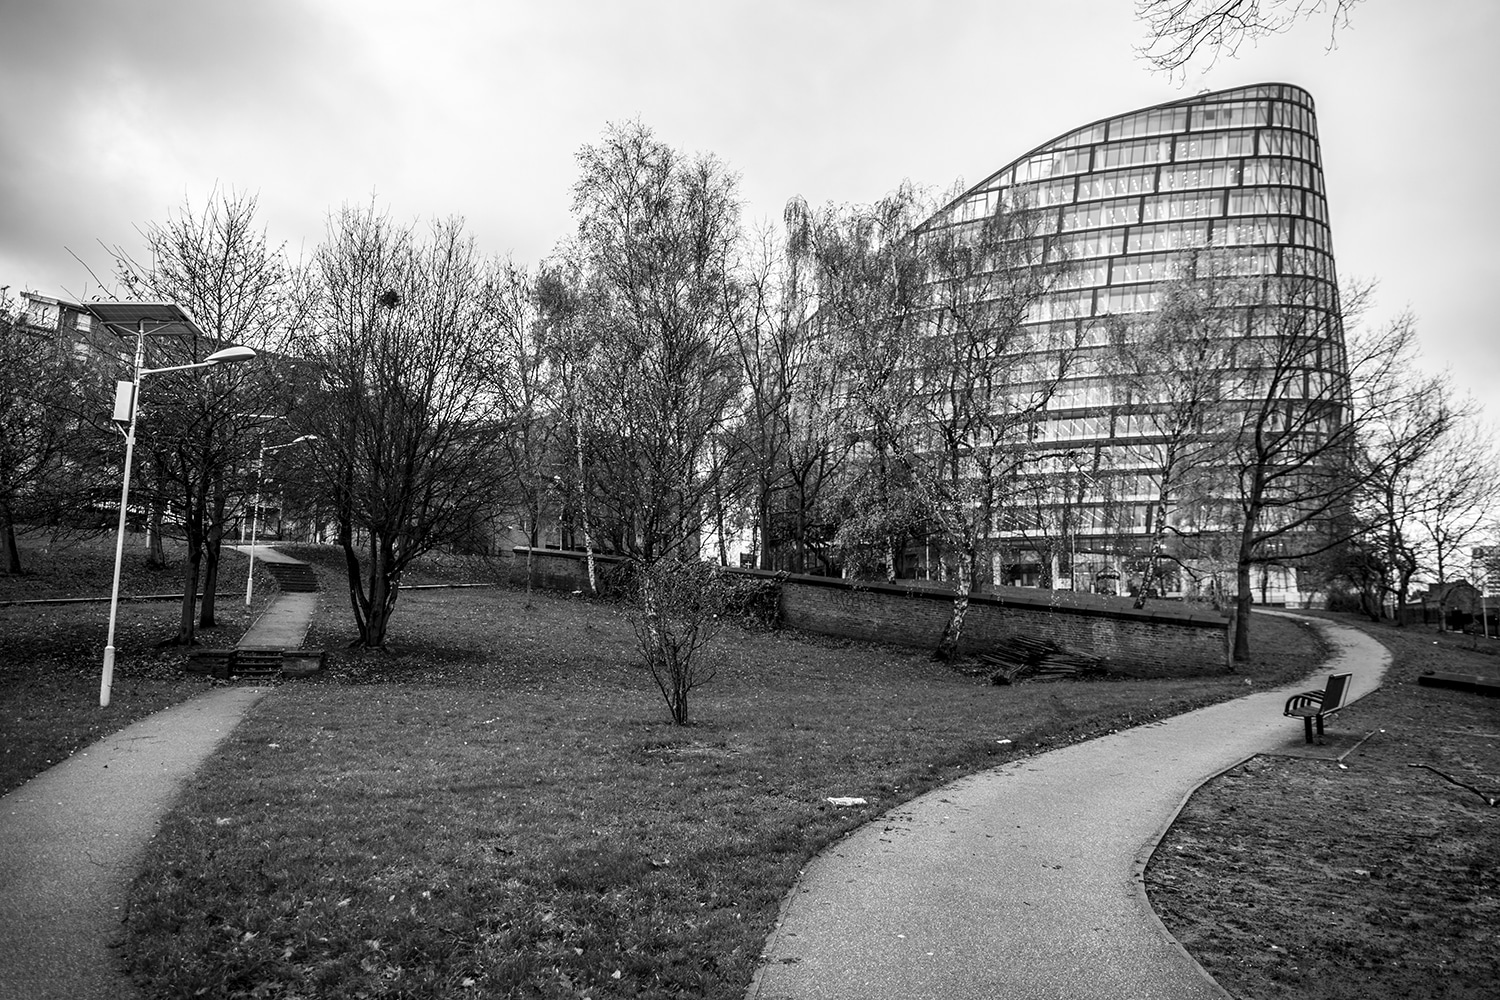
285	622
1025	882
70	839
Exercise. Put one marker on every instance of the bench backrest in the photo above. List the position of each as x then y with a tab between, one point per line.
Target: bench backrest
1333	695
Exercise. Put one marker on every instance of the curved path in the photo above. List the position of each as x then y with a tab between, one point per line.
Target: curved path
1026	881
70	839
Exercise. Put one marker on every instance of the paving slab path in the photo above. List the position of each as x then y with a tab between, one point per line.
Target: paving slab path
70	840
285	622
1025	882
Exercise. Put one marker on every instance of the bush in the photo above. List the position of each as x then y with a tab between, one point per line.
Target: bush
677	609
754	602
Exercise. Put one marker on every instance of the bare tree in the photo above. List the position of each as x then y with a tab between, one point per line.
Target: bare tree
1311	401
1058	496
199	430
1174	374
677	609
869	279
788	434
657	235
527	385
1179	31
987	374
403	354
1396	496
572	355
1460	480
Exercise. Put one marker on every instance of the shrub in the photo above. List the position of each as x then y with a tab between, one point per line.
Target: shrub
754	602
676	609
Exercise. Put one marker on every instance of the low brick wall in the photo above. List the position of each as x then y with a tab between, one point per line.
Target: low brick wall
554	569
1163	638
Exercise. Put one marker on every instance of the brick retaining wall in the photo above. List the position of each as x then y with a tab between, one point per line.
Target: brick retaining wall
1163	638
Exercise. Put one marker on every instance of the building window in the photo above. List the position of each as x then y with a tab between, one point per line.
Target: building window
1130	154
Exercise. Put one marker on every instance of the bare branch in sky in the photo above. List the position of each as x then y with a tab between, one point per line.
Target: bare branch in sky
1180	31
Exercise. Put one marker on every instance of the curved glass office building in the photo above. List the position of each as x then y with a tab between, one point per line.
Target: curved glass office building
1134	204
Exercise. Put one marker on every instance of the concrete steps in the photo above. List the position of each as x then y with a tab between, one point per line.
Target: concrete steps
293	578
255	661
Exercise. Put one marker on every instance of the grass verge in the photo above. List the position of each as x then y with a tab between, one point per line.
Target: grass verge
499	809
1374	877
51	655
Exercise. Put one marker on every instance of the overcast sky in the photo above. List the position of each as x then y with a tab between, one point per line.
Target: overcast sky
113	112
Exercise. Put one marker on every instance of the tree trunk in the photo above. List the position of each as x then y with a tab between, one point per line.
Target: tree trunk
1244	598
186	636
1149	586
210	584
763	552
947	649
213	548
531	540
352	575
156	551
378	614
583	514
12	562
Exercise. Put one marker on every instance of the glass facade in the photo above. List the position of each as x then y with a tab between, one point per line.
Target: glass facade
1127	204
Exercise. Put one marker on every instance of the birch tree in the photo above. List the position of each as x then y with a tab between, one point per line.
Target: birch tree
788	434
658	231
870	295
1174	374
572	354
527	388
988	372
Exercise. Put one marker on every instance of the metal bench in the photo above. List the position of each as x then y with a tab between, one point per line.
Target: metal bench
1313	706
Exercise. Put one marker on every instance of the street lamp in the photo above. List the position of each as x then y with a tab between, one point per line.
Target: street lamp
162	317
255	505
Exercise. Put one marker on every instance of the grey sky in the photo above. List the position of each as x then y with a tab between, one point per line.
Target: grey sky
111	113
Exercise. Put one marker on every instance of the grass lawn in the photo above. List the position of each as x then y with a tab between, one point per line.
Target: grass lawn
1377	877
51	655
500	809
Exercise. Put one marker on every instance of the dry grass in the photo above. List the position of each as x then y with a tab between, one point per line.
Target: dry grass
1290	877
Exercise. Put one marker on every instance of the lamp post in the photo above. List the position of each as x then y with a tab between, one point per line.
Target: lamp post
260	463
126	411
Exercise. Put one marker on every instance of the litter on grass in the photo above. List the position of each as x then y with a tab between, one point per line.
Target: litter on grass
846	800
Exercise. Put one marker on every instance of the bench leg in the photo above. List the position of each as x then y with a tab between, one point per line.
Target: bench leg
1307	726
1320	728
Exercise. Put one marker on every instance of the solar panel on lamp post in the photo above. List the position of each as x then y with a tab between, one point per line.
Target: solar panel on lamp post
167	317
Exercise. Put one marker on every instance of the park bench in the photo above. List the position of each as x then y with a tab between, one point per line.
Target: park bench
1311	706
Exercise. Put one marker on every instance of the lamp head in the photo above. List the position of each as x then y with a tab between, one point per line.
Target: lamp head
229	355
